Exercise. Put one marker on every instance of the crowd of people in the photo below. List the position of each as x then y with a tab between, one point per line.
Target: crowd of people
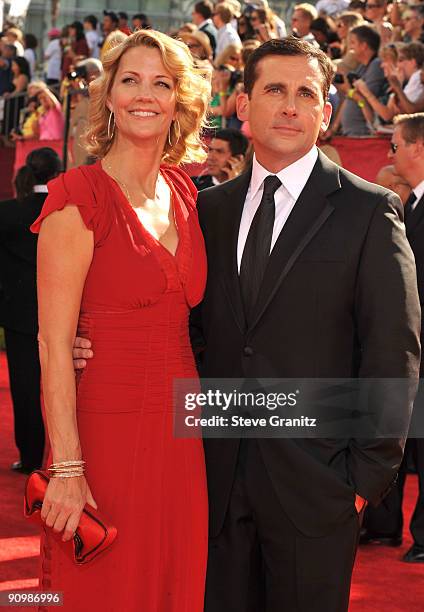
376	48
354	69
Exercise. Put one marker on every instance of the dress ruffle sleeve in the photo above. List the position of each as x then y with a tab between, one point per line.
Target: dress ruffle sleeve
183	183
72	188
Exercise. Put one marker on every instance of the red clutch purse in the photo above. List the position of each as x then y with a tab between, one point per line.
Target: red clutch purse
93	535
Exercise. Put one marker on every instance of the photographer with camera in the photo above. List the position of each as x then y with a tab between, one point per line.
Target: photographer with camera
356	114
85	72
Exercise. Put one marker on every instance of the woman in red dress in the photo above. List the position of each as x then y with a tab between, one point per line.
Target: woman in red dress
121	260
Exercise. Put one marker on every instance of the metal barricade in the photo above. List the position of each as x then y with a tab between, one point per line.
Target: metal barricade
13	112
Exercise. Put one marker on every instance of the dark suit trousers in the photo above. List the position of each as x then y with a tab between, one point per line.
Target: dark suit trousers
261	563
24	375
387	518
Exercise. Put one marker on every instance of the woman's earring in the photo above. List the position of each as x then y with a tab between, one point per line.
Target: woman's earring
111	131
177	132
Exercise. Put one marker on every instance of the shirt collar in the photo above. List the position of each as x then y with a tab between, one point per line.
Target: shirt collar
206	22
419	191
293	178
40	189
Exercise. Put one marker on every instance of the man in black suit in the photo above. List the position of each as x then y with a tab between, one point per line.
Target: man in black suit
309	275
384	524
18	302
202	18
225	161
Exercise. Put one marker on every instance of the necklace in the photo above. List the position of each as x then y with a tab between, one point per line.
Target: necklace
120	183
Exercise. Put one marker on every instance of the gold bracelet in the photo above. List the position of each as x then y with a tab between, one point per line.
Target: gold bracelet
77	462
67	475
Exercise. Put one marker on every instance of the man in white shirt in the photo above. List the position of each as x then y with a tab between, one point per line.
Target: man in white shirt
298	252
226	34
92	35
202	18
303	259
53	57
384	524
303	16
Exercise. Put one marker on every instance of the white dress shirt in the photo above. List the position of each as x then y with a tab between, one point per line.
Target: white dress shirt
226	35
40	189
293	179
53	55
414	89
418	192
93	38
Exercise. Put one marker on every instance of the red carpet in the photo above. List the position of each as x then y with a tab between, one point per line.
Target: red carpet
382	583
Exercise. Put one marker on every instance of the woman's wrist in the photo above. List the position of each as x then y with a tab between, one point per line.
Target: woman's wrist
67	469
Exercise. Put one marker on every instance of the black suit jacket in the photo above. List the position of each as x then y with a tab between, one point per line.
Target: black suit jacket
18	257
211	32
415	234
202	182
339	299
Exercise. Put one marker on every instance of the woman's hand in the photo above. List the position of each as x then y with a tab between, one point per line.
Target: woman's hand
263	33
361	87
63	504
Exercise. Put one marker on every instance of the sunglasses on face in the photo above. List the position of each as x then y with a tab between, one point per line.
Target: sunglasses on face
394	147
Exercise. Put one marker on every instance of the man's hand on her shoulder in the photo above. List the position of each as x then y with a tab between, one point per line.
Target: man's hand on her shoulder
81	352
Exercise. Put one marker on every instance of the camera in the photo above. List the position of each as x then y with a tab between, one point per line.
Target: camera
335	53
236	77
80	72
352	77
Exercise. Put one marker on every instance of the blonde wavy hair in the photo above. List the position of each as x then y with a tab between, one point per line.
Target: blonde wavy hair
192	98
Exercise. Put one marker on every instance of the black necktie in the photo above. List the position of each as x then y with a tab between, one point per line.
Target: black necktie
409	204
258	246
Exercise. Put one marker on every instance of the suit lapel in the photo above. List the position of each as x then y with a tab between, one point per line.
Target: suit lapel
310	212
415	218
230	217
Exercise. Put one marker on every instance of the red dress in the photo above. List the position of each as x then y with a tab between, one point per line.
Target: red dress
151	486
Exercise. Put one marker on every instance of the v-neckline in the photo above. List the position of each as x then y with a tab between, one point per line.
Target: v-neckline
141	225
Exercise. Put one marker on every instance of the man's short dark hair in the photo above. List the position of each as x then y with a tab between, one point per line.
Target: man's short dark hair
92	19
112	15
368	35
290	46
204	8
413	51
237	141
145	21
123	15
